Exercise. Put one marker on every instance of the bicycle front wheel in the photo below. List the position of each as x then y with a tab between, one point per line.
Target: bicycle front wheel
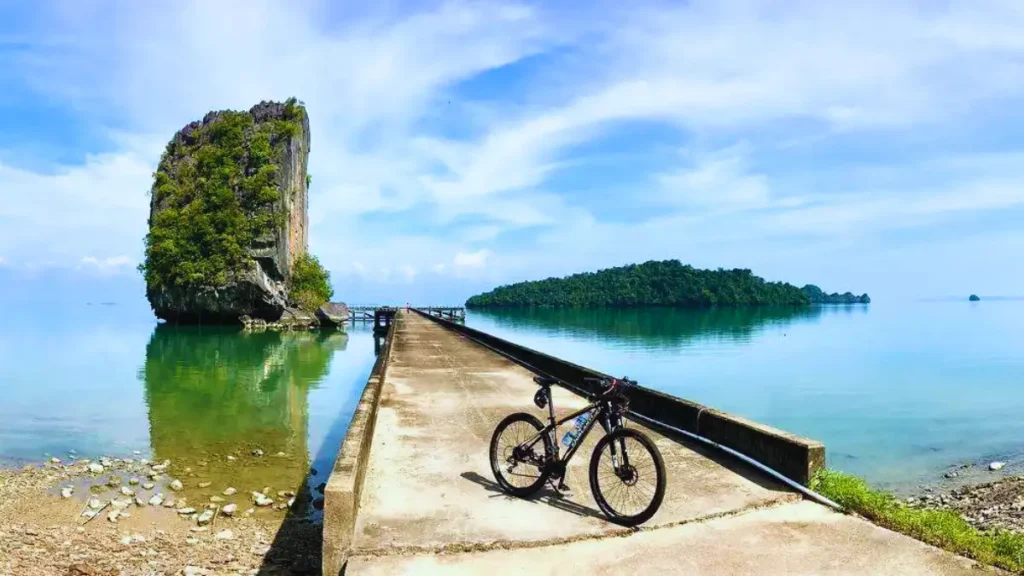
627	476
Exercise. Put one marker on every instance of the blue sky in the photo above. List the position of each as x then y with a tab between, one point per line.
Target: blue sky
871	146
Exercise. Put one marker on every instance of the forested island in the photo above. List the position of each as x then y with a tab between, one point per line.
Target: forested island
659	283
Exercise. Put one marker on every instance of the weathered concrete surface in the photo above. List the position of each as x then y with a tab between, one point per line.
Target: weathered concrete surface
429	502
798	538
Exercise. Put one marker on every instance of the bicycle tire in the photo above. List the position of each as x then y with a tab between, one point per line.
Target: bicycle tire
659	469
497	461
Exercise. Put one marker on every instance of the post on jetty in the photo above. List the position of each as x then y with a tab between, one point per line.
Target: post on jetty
454	313
382	318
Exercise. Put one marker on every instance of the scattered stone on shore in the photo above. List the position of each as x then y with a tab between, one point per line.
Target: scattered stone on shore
139	501
992	505
229	509
95	503
285	493
230	491
176	485
113	515
148	485
67	491
169	501
216	498
995	466
127	491
280	455
257	452
95	468
185	511
951	474
54	460
225	535
133	480
231	458
261	499
113	482
156	500
204	484
205	517
291	502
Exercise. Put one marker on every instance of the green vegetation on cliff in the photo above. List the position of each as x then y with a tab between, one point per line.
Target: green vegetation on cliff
653	283
942	528
217	189
309	285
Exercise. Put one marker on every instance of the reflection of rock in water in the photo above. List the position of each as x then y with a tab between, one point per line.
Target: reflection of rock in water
651	325
219	392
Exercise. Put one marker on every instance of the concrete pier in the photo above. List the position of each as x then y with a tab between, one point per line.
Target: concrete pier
414	491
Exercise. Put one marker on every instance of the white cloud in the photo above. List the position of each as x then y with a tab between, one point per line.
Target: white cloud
391	133
471	259
112	264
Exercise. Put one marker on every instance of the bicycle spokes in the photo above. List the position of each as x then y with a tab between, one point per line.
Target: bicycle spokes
519	459
627	476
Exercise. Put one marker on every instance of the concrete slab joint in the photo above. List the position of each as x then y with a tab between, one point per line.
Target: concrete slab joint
341	497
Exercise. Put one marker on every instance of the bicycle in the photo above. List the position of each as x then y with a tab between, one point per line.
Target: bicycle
629	467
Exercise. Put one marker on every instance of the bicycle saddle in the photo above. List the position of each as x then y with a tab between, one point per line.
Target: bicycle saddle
545	381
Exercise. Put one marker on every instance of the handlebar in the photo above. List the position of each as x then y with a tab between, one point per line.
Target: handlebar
611	384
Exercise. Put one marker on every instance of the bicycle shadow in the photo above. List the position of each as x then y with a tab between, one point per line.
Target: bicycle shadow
546	495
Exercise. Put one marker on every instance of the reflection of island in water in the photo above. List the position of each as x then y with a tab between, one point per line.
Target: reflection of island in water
214	392
652	327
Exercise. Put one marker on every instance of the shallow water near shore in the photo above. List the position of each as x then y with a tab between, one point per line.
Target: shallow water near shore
239	410
899	392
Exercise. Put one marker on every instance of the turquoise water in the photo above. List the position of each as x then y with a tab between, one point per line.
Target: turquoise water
899	393
107	380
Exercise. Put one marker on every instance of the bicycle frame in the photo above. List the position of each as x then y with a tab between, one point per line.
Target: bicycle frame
602	413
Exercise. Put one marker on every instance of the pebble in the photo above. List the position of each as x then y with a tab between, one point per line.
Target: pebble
261	499
229	509
113	482
225	535
250	511
120	504
126	540
199	528
90	513
231	458
257	452
186	510
95	468
67	492
176	484
951	474
148	485
113	516
139	501
205	517
230	492
285	493
55	460
216	498
196	571
204	484
144	462
996	466
133	481
191	540
156	500
291	502
127	491
169	502
95	503
280	454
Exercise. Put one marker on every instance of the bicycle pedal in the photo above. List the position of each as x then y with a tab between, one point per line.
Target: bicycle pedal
564	488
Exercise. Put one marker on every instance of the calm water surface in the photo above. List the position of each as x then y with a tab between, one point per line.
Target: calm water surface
897	392
106	380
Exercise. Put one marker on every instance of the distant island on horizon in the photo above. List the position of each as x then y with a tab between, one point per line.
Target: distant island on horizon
659	283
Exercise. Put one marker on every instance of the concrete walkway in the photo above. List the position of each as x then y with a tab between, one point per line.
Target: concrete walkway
429	503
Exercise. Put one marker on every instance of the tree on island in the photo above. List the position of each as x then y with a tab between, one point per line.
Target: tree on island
658	283
974	298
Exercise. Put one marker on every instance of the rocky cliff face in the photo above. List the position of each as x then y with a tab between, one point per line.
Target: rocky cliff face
228	215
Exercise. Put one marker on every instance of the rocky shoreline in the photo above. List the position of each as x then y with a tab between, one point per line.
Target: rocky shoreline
132	516
987	506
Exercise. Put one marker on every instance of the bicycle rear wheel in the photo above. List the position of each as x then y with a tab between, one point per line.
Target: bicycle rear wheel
627	477
519	468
